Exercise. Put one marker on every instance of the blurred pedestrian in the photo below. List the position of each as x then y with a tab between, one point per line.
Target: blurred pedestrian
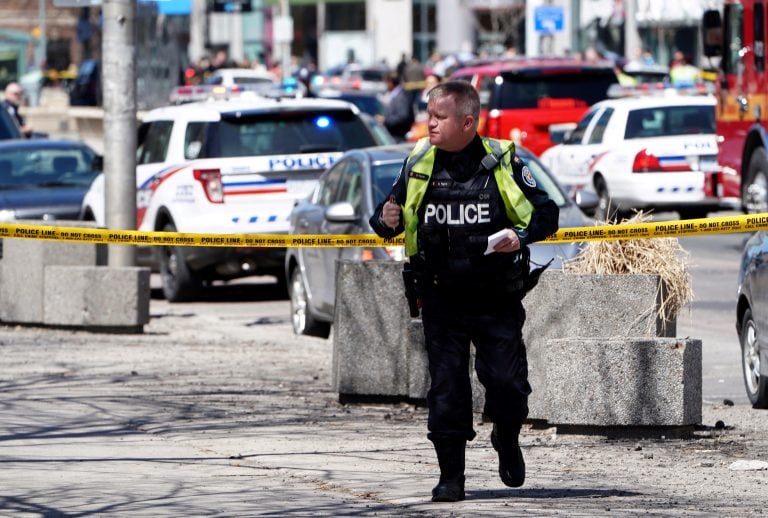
13	97
399	113
455	192
431	81
681	73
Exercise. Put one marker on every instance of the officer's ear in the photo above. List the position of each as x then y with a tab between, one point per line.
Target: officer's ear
469	123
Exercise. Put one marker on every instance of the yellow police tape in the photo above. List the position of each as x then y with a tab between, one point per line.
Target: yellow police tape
691	227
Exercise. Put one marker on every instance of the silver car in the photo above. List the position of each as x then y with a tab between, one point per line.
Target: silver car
342	203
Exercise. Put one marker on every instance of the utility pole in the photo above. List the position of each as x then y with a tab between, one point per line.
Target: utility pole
632	44
119	88
286	38
198	30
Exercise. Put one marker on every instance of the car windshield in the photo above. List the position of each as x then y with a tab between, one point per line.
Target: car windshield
288	133
46	166
670	120
383	178
529	88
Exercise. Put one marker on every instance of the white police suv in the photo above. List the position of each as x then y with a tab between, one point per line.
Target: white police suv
234	166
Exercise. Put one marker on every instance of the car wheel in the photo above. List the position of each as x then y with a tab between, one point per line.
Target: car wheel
304	323
756	385
179	282
605	209
754	197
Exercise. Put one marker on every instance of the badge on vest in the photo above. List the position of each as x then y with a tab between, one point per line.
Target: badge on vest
418	176
528	178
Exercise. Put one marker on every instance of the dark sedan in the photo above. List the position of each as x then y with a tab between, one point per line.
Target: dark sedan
45	179
752	318
343	201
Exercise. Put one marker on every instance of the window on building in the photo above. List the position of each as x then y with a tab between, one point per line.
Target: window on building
345	16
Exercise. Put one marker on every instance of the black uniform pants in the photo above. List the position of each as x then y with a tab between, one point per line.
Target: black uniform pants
494	325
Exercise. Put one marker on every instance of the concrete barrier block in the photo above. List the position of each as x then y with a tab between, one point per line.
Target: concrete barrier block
94	296
622	381
21	270
594	306
371	333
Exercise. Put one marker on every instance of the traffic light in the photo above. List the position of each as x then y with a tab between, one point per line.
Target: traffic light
230	6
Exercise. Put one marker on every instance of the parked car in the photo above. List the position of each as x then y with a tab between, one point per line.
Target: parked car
752	318
240	76
521	98
343	201
650	152
367	102
45	179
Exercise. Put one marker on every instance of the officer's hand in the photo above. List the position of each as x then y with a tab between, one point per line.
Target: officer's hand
510	243
390	213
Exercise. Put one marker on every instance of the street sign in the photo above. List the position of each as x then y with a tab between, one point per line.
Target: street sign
282	29
548	18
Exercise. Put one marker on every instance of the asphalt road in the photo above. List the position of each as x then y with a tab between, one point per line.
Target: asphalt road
714	263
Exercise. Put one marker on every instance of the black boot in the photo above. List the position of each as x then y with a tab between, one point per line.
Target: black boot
450	456
511	463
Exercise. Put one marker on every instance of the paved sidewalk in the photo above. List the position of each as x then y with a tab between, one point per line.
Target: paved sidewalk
226	416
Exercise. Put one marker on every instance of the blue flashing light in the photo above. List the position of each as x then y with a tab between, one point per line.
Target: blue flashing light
322	122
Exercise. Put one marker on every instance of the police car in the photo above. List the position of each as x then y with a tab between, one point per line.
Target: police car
235	166
655	152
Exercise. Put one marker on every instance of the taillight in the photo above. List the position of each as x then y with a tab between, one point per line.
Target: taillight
645	162
493	125
211	180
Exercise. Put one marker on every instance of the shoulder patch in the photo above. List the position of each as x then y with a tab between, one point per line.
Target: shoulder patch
528	178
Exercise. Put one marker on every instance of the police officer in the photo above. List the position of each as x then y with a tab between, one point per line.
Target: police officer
454	191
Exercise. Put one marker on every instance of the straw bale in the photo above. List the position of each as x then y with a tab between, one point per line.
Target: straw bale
657	256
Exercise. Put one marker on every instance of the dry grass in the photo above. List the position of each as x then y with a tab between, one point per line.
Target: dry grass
658	256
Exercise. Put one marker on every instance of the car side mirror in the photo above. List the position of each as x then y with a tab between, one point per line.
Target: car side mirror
341	212
587	201
98	163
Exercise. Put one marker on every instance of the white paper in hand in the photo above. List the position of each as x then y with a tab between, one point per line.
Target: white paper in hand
494	239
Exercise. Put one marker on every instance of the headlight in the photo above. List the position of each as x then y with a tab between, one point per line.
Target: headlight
7	216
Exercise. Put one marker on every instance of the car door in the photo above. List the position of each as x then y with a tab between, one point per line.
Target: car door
152	149
592	144
560	159
312	221
347	190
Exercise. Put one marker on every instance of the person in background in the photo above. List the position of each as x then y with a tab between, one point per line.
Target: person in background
399	114
431	81
13	96
681	73
469	207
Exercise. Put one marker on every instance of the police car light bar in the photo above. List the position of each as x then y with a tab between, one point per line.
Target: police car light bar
193	93
616	91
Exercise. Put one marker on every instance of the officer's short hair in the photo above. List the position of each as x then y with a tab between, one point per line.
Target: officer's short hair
465	95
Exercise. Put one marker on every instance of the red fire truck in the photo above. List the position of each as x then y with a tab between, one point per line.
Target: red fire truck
737	35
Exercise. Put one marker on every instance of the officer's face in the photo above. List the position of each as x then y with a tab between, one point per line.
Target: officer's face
448	130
